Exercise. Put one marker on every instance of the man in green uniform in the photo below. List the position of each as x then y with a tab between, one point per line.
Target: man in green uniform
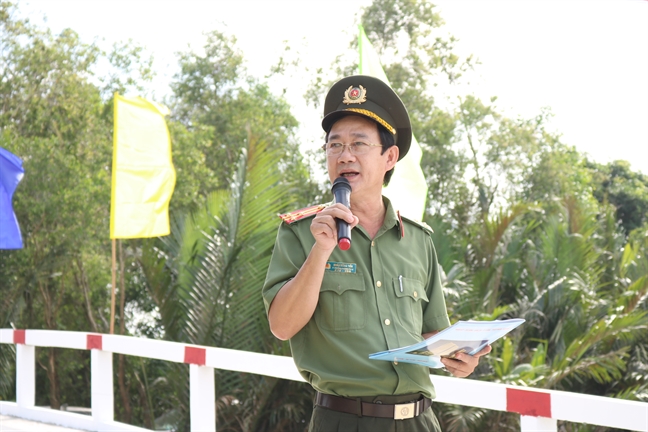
336	307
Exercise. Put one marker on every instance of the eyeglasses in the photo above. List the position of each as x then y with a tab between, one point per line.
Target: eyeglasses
356	148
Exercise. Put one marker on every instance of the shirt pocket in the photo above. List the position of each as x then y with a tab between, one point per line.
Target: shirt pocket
342	302
411	299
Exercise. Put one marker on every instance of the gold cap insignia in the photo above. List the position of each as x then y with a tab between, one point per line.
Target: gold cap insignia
355	95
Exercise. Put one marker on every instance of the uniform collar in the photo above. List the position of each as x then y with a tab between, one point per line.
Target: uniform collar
392	219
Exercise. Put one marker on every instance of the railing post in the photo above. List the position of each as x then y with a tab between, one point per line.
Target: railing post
538	424
202	398
101	393
25	375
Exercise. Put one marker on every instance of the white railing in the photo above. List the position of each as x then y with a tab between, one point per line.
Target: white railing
539	409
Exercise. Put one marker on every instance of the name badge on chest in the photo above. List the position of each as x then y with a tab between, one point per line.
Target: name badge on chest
340	267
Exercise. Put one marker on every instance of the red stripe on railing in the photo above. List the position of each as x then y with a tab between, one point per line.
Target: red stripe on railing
94	341
19	336
195	355
529	403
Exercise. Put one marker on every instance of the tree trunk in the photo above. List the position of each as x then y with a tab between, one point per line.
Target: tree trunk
123	391
52	375
50	311
82	282
149	423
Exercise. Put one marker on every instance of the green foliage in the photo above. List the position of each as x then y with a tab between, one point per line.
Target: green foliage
8	366
195	178
205	80
213	97
626	190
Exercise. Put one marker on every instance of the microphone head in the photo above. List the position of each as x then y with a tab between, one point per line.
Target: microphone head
341	182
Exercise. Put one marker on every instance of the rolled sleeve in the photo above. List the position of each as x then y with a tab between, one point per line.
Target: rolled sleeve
287	258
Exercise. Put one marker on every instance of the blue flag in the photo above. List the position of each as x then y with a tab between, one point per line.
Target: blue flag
11	172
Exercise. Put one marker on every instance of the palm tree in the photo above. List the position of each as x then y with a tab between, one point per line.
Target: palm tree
206	279
584	300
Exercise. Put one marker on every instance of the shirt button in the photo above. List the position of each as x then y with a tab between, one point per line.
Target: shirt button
415	294
387	322
373	244
378	284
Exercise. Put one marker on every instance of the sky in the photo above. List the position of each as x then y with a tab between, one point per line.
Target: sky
587	61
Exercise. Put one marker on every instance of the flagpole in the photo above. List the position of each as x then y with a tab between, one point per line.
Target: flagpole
114	282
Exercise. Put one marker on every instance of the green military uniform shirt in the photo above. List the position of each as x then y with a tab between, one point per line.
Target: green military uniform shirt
380	294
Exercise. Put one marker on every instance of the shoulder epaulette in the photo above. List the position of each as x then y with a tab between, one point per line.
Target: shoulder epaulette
302	213
419	224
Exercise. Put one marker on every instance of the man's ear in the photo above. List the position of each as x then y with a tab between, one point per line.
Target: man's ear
392	157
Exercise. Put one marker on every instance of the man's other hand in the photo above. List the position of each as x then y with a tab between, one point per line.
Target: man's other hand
464	364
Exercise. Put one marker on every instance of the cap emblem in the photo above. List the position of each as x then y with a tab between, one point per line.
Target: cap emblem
355	95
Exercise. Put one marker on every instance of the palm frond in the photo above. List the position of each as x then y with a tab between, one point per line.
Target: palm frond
224	254
210	272
594	354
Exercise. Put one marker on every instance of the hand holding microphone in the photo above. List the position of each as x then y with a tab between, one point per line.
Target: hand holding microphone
342	192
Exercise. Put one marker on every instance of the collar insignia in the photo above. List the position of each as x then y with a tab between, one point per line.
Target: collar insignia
402	227
355	95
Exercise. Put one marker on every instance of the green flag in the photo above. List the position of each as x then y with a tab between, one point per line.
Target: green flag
407	189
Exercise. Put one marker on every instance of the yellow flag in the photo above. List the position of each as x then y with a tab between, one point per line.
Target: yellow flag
407	188
143	176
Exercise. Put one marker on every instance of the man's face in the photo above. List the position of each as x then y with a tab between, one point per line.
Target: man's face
364	172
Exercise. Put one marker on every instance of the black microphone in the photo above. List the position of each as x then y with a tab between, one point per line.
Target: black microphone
342	192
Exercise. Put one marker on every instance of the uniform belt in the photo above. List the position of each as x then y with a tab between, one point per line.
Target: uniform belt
360	408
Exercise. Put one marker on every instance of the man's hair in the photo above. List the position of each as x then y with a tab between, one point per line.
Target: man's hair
387	140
